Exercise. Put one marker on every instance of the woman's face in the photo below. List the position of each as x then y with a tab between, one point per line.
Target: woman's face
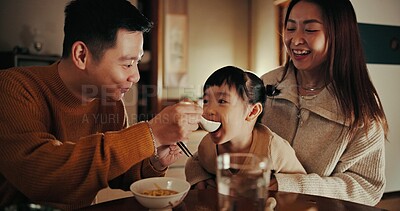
223	104
305	38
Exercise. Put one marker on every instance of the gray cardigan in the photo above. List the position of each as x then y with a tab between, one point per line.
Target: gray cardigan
337	167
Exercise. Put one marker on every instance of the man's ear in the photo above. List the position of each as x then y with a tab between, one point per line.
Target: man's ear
79	54
255	111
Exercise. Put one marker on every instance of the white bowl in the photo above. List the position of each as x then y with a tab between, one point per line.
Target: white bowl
160	202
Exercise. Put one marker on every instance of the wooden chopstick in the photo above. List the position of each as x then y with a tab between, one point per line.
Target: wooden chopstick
184	149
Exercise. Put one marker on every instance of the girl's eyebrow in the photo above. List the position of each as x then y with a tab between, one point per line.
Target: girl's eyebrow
223	93
219	94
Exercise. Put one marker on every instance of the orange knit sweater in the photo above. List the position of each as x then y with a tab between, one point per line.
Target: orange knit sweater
56	150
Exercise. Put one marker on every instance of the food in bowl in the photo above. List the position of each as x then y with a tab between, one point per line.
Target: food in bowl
141	190
159	192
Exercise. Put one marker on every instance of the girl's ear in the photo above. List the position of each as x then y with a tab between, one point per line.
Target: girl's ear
79	54
255	111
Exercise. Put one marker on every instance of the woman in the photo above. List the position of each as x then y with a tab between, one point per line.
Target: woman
324	103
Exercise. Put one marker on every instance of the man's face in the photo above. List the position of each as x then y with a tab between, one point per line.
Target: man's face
117	70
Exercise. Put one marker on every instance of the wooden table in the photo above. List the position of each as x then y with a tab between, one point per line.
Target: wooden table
208	200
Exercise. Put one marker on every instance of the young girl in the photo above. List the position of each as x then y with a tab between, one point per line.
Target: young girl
236	98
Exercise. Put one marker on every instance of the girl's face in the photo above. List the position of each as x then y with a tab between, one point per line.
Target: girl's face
304	36
223	104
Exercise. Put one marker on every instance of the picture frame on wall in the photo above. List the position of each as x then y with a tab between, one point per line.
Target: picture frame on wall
175	43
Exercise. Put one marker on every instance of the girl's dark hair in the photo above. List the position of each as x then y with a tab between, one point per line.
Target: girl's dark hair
249	86
96	23
346	66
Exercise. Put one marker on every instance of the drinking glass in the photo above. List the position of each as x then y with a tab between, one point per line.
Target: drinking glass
242	181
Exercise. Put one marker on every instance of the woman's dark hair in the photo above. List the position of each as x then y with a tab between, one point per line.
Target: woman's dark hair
346	66
249	86
96	23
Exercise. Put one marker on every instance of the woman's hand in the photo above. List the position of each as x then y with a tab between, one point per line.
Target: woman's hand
167	155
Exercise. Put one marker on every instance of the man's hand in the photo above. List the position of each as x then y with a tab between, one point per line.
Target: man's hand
167	155
175	123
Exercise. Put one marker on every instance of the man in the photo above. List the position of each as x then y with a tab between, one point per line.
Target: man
64	133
